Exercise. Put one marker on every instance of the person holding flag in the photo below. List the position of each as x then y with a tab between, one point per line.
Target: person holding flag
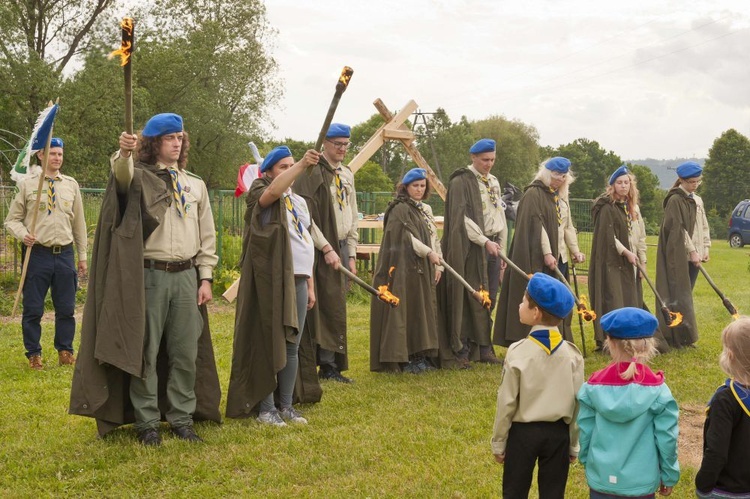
48	229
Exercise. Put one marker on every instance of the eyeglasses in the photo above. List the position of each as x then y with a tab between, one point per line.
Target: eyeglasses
340	145
694	182
558	176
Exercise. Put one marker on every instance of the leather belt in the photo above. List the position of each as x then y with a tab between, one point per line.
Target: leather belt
55	249
169	266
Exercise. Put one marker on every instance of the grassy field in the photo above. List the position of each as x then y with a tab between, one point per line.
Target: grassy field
384	436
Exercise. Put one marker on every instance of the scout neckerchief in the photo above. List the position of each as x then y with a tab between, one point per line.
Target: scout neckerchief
741	394
339	189
179	196
490	190
50	195
556	195
295	218
624	206
427	218
548	339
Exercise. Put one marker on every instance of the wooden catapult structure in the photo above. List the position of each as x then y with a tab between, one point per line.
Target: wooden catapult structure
394	129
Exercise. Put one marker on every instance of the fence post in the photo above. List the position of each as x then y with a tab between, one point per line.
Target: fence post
220	223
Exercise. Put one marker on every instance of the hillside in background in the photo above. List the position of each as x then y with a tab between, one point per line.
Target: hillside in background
664	168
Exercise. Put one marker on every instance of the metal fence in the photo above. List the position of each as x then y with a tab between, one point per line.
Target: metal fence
229	215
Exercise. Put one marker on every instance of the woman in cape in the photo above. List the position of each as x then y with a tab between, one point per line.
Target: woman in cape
403	339
618	244
275	293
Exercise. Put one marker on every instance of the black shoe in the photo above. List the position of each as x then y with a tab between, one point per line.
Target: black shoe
424	365
150	437
411	368
186	433
329	372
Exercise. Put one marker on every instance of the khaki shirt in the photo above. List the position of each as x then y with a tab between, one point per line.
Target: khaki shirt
63	226
494	216
537	387
178	238
636	238
420	248
701	240
347	219
566	235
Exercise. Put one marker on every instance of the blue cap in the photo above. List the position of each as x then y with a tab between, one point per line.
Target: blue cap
162	124
56	142
558	164
414	174
339	130
623	170
483	145
629	323
689	169
277	154
550	294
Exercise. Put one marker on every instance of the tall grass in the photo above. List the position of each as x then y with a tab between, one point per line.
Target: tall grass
384	436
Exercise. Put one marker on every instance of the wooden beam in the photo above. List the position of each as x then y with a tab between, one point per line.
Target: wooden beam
372	145
400	134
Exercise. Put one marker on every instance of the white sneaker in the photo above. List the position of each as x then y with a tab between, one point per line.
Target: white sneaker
270	418
292	415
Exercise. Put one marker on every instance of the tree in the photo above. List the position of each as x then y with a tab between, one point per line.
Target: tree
39	40
591	164
651	195
444	143
517	148
370	178
726	173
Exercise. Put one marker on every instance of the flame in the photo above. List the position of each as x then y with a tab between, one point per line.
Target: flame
390	271
736	316
127	42
675	319
346	75
385	295
483	297
583	309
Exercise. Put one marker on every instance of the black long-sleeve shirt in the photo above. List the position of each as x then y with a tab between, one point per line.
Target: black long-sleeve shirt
726	446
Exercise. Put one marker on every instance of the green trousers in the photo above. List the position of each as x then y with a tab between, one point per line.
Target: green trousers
172	314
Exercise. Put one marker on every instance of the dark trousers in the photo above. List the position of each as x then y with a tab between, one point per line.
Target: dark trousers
493	274
328	357
693	272
58	272
548	443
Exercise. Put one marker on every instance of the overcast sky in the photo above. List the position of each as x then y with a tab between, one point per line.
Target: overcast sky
644	78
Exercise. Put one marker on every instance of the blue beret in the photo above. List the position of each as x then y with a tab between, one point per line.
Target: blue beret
483	145
629	323
623	170
277	154
56	142
162	124
558	164
689	169
550	294
338	130
414	174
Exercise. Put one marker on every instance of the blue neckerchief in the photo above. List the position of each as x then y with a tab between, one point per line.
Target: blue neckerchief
741	394
549	340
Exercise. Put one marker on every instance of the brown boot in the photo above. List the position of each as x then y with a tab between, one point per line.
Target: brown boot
35	362
66	358
487	355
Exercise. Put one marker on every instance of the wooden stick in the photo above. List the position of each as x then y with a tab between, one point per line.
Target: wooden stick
128	39
366	286
341	84
580	317
727	304
474	293
514	266
34	216
665	312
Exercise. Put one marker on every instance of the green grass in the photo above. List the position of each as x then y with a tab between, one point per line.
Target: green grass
384	436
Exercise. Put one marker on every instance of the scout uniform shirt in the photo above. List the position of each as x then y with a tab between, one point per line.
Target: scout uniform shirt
701	240
179	237
493	213
56	225
346	208
566	234
420	248
636	238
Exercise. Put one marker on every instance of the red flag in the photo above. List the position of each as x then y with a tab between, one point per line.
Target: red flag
245	176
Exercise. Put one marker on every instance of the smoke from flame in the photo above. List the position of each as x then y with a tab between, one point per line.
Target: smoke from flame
127	42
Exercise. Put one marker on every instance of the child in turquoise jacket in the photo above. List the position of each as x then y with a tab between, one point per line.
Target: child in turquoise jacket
628	417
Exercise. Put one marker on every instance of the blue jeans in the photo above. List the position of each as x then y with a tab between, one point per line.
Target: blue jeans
58	272
288	375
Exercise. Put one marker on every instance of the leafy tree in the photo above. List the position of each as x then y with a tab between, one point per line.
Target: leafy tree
650	193
517	148
370	178
444	144
39	40
592	166
726	173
